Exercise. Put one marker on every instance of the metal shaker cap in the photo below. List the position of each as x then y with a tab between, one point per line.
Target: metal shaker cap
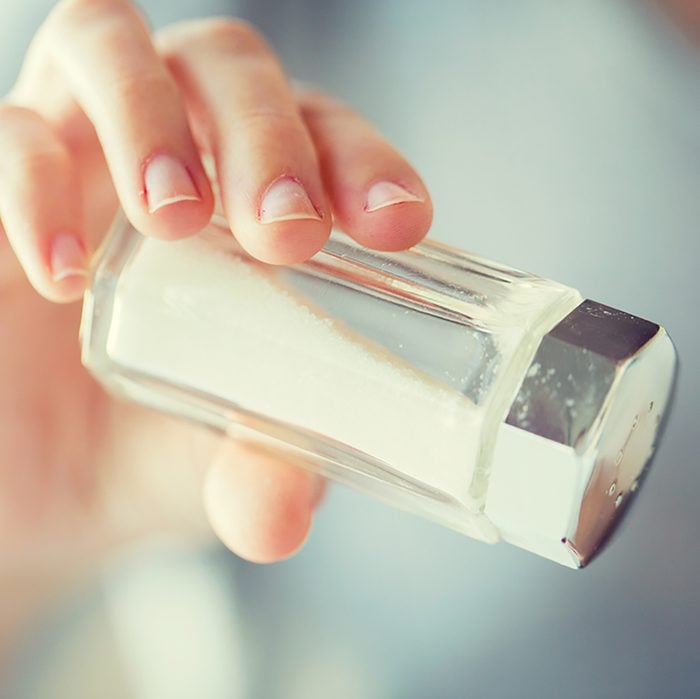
580	433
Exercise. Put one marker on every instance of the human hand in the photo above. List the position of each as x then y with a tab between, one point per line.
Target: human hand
105	114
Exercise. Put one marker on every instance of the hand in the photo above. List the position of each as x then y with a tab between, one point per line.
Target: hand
104	114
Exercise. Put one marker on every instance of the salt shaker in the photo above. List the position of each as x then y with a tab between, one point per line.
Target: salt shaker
493	401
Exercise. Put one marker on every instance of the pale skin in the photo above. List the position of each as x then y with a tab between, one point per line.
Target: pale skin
107	114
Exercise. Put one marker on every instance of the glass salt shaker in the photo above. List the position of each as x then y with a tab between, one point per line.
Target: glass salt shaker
493	401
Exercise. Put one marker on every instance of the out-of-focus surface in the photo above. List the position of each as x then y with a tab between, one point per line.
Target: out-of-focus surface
562	138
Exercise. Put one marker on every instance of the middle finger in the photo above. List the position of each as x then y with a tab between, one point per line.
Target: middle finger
266	164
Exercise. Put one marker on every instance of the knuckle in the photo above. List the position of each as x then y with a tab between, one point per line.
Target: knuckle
269	120
104	25
133	89
328	111
232	34
316	104
222	34
76	13
19	125
318	107
264	129
10	112
33	164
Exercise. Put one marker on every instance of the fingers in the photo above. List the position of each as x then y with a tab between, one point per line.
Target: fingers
103	50
40	205
266	164
260	507
268	158
377	197
275	161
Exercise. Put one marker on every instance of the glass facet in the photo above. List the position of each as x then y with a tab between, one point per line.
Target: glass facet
390	372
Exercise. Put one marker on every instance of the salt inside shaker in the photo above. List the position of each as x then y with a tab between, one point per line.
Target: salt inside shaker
493	401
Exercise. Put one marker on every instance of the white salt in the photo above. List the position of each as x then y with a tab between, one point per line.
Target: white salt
215	322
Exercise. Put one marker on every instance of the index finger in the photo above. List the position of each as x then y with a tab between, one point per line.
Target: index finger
104	52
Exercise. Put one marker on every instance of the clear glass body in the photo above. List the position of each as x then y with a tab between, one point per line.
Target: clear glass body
391	372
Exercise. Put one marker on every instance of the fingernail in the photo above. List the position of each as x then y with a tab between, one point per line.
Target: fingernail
286	200
382	194
68	258
168	181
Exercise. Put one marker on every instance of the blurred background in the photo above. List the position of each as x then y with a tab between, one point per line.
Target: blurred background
561	138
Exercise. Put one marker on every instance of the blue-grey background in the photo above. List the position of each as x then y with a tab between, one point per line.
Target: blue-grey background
559	137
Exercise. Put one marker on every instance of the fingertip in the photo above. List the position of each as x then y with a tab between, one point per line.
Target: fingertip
377	196
177	198
385	216
288	224
394	228
67	289
178	218
260	508
285	243
59	269
64	275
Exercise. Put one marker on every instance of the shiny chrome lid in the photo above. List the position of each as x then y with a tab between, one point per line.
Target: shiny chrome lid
580	432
